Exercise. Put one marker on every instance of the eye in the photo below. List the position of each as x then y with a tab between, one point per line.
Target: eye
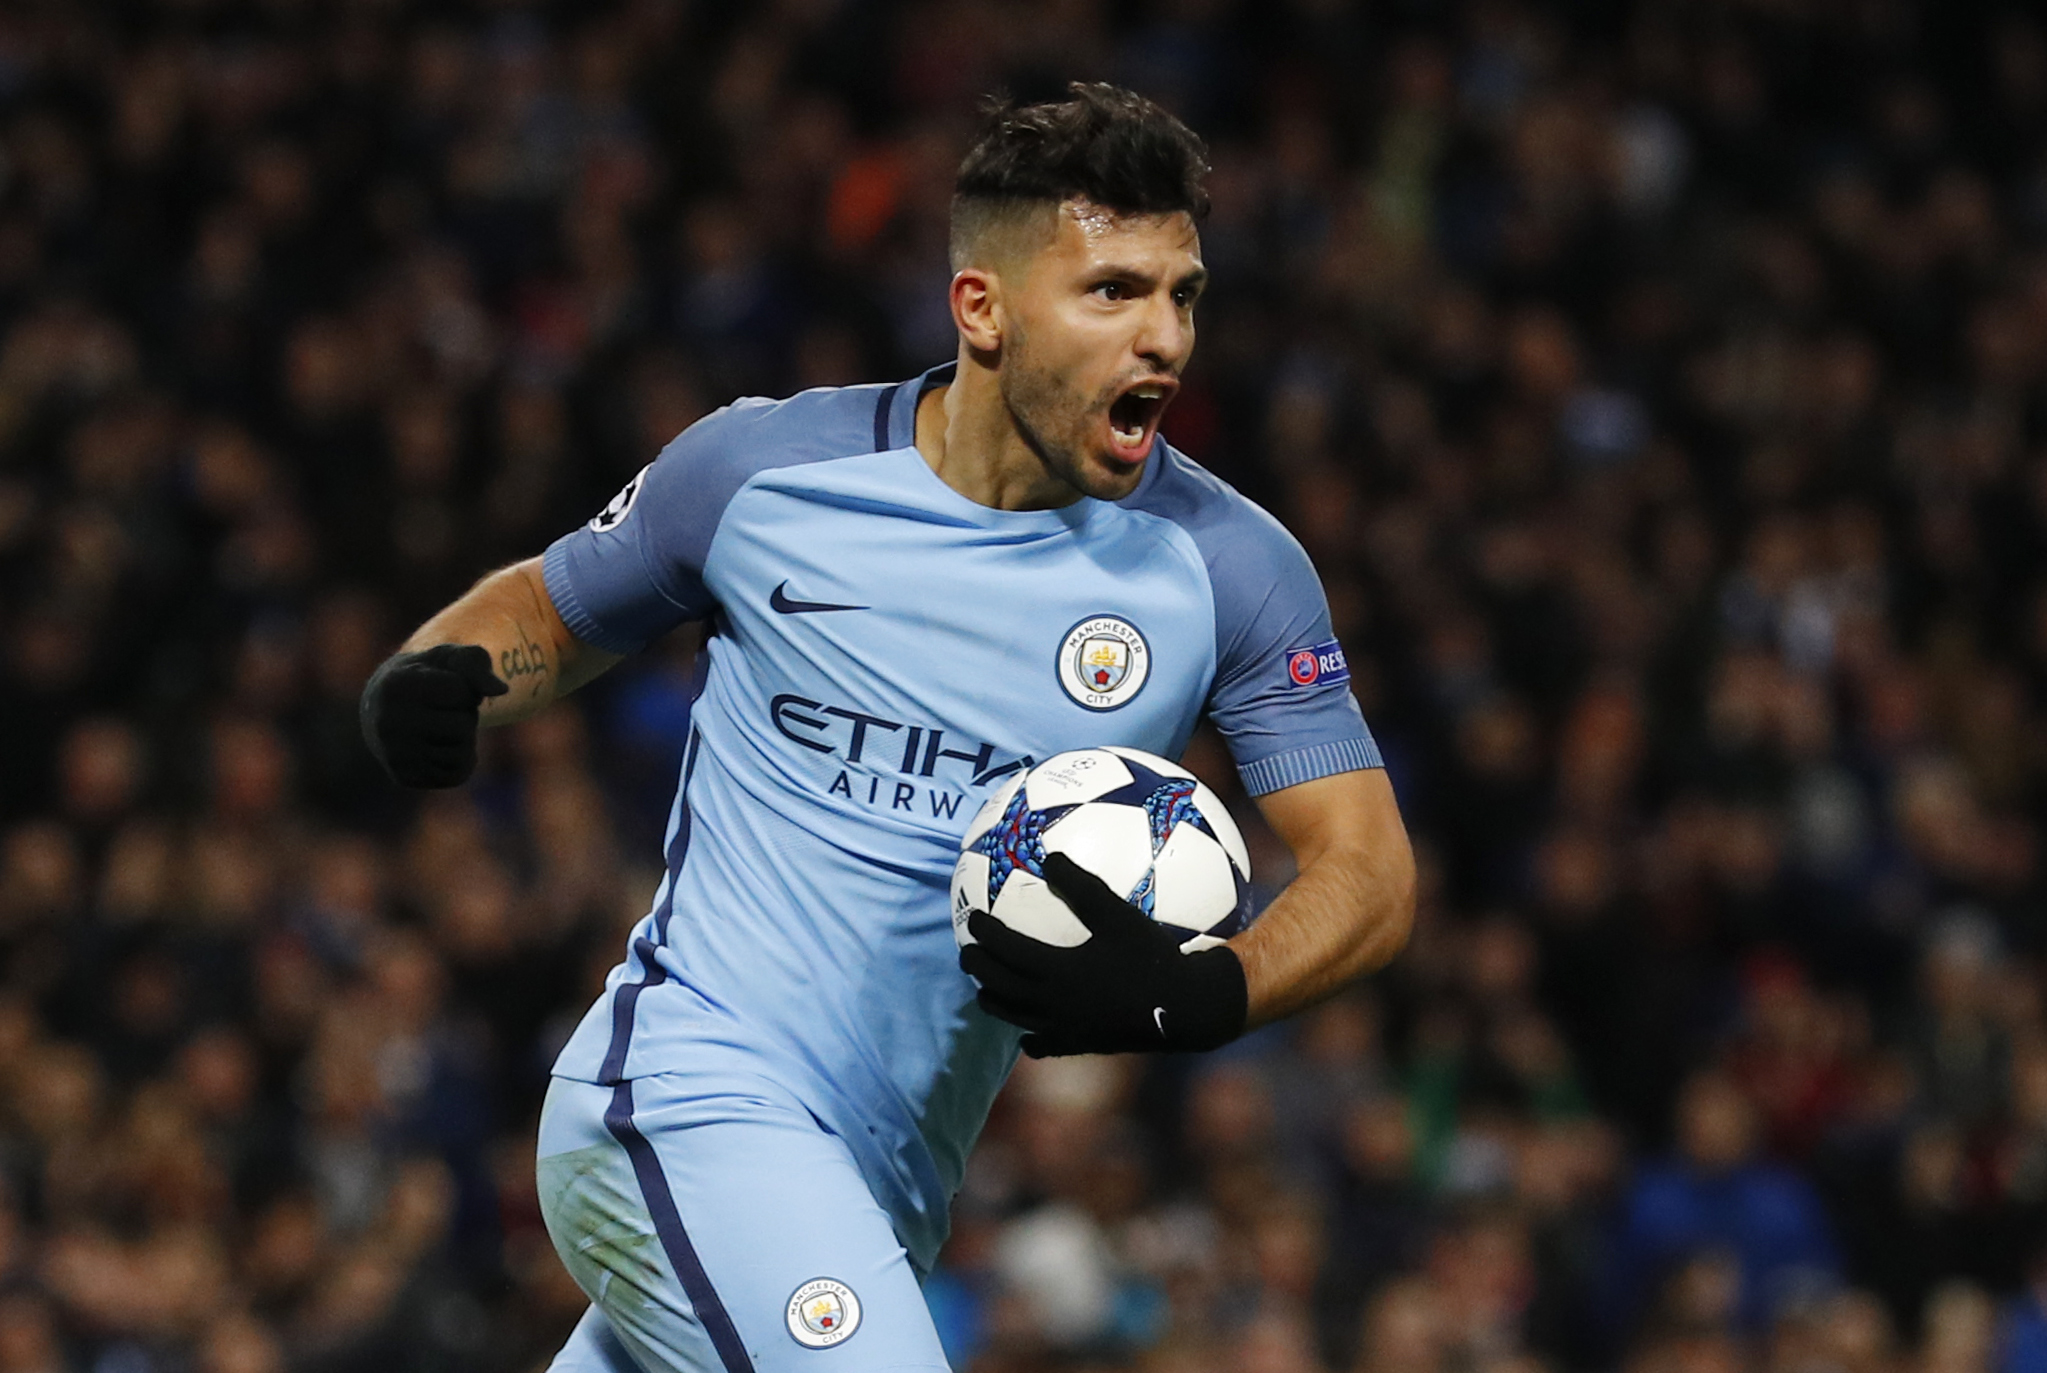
1112	290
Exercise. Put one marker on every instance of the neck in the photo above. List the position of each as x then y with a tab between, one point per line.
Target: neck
968	437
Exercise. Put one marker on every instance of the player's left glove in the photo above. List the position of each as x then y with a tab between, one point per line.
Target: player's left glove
1127	988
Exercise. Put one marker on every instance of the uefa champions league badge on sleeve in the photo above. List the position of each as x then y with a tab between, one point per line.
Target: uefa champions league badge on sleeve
1317	665
621	504
823	1312
1103	662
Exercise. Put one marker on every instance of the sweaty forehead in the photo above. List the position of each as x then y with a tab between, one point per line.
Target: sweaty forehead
1089	233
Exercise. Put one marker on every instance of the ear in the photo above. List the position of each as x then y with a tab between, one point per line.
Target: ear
977	308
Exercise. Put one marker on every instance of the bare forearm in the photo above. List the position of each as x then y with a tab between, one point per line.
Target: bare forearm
1336	922
1349	911
510	614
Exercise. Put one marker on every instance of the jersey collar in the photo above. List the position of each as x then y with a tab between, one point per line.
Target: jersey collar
902	411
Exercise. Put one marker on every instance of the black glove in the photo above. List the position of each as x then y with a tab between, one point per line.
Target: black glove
419	713
1127	988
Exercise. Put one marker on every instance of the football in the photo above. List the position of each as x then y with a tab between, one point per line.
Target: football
1147	827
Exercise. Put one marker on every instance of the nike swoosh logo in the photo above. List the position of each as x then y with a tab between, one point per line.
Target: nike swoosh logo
779	599
1158	1018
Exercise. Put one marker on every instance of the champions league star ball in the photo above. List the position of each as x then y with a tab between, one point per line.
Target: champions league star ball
1145	826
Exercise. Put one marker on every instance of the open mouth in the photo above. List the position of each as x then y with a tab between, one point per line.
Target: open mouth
1134	416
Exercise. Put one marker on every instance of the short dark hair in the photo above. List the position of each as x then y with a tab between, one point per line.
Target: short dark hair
1103	144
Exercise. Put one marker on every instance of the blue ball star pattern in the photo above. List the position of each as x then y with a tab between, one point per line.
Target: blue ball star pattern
1017	840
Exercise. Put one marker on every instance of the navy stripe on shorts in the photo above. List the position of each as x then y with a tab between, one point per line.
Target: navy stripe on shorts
682	1255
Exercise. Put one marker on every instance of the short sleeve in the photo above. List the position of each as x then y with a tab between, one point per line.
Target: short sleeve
1281	698
636	571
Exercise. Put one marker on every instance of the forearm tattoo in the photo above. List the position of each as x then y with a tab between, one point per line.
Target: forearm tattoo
528	660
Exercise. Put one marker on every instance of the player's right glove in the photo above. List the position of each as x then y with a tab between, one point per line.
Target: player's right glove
1127	988
419	713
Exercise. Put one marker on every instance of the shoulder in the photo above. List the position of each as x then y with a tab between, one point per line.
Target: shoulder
755	433
687	488
1265	588
1237	537
669	513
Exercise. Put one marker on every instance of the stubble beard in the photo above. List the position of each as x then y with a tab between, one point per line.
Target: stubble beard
1052	421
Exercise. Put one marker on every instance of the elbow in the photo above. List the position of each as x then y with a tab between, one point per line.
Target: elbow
1383	886
1397	922
1387	903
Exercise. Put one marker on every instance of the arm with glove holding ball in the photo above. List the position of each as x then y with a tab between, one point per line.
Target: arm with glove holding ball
1129	987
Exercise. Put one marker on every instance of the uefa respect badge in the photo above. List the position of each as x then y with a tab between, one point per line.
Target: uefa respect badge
1317	664
823	1312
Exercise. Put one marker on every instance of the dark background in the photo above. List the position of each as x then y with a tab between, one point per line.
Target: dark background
1659	388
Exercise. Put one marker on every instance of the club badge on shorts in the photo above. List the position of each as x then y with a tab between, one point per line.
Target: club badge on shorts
823	1312
1103	662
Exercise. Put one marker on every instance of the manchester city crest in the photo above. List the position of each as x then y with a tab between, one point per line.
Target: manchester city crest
1103	662
823	1312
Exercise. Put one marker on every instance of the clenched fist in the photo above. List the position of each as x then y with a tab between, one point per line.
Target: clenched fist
419	713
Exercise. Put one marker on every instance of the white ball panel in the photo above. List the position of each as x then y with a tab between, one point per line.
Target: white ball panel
1161	766
969	893
1195	943
1067	779
1113	842
1193	885
1225	826
1027	905
991	810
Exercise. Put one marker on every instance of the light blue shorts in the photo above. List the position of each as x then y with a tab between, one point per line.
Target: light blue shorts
721	1230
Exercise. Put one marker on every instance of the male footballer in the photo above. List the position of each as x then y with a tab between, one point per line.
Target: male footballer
751	1142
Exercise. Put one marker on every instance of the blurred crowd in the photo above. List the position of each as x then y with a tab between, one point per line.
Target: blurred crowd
1661	388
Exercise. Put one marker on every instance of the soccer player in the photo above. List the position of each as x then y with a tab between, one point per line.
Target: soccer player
910	591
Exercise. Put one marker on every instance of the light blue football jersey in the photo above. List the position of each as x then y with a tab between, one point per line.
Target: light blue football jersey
881	652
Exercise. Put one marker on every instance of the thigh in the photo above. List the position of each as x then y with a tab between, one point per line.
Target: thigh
726	1234
593	1348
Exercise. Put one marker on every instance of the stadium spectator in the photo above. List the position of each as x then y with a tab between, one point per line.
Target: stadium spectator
1661	386
1718	1203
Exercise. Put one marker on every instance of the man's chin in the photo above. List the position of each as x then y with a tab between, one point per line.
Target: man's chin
1106	480
1092	471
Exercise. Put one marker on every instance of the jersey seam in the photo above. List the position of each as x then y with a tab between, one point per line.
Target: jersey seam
718	528
1225	653
654	579
1198	566
649	566
1191	556
1245	664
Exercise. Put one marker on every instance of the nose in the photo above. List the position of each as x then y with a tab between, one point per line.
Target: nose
1165	334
